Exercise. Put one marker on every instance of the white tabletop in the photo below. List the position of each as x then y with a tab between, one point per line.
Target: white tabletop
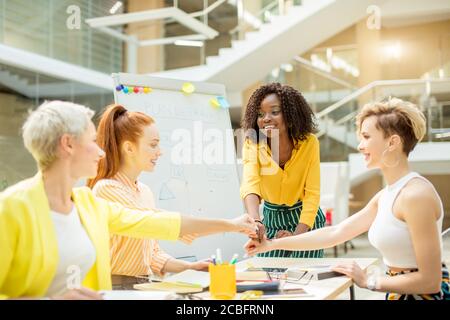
326	289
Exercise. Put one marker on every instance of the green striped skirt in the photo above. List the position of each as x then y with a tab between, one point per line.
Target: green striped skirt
282	217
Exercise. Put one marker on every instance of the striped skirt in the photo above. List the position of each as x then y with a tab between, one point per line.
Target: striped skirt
444	294
282	217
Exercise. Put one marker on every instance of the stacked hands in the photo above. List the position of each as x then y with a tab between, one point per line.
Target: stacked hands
259	243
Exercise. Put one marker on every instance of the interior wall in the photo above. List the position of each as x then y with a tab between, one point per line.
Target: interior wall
149	59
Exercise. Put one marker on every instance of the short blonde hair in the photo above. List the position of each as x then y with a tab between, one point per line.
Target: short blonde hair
395	116
46	125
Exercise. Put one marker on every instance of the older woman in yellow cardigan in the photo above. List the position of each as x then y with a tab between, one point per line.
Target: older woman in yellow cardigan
54	238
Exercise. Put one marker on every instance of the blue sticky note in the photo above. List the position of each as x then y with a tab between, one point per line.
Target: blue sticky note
223	102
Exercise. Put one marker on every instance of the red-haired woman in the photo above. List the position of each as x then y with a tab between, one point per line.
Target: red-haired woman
131	144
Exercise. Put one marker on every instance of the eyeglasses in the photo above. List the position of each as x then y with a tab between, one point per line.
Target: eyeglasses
303	279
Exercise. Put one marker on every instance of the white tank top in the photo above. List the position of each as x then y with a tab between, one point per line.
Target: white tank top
390	235
76	253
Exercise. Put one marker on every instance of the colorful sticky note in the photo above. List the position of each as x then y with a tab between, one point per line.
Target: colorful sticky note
214	103
223	102
188	87
147	89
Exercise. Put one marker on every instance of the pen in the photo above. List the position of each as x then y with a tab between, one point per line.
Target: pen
234	258
219	256
213	259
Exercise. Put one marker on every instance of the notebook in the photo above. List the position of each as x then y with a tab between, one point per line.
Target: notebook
190	278
189	281
318	272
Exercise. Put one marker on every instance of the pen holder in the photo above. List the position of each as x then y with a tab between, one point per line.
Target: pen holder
222	284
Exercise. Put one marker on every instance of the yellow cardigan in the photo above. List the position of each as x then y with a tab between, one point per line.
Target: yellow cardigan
28	243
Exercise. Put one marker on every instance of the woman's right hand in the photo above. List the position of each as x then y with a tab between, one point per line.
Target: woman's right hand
79	294
254	246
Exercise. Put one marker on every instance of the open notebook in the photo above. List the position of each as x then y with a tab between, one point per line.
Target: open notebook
189	281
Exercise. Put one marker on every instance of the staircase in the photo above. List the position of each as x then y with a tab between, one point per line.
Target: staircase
300	29
429	157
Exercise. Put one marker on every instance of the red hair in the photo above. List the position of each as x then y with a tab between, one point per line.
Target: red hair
116	126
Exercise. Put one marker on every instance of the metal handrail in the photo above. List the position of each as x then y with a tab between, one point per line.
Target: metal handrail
347	118
307	64
370	86
241	24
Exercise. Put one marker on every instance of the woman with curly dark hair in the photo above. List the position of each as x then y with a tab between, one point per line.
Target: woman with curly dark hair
282	166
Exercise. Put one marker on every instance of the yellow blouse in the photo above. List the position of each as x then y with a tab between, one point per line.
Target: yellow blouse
28	244
299	180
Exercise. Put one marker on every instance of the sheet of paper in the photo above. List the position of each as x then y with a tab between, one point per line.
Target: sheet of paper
136	295
168	287
190	277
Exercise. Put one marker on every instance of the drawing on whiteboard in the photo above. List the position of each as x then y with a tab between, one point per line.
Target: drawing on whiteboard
174	193
177	172
218	174
200	113
165	193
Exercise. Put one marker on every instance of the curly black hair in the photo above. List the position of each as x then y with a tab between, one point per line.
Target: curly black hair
297	114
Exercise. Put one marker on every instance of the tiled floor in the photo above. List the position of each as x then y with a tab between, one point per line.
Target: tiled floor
361	249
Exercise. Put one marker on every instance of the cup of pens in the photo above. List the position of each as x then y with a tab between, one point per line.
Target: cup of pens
222	275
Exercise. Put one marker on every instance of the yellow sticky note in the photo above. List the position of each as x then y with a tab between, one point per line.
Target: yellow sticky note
188	88
214	103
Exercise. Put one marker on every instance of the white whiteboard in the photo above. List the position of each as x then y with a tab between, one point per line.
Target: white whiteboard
202	188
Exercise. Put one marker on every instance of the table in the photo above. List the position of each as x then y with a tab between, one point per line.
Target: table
326	289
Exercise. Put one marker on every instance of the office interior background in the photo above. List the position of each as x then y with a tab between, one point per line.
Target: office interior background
340	54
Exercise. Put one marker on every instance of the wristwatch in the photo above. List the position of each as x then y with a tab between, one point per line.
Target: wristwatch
372	282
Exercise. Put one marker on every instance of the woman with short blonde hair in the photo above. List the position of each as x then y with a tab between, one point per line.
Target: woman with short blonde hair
404	220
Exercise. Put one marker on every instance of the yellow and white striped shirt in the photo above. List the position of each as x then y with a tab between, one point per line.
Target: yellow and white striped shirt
130	256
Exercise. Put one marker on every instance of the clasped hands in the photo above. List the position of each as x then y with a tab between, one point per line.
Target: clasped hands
260	243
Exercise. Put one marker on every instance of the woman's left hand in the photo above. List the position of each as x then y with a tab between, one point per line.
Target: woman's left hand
282	234
353	271
301	228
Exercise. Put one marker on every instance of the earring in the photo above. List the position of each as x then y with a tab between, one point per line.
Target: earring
387	165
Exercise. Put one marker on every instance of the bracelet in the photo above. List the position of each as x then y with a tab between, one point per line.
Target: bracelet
259	221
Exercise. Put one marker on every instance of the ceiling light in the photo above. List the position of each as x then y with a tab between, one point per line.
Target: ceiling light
287	67
115	7
189	43
393	51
